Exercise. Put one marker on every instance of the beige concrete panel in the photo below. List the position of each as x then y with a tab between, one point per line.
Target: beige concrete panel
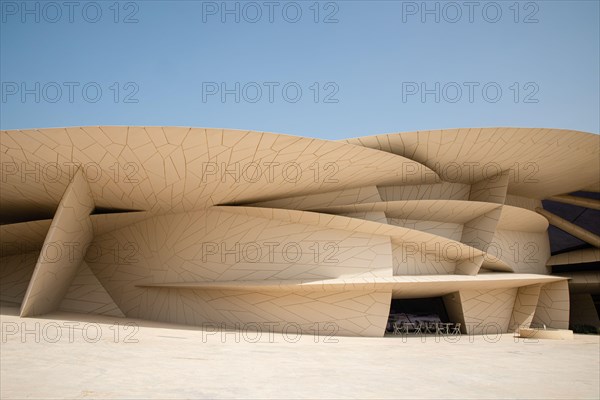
469	266
376	216
35	173
492	263
367	194
23	237
168	169
457	211
524	252
437	285
492	190
575	257
436	191
343	313
402	286
408	260
448	230
70	234
522	202
524	308
553	306
583	311
212	245
454	308
103	223
521	219
478	233
452	249
87	296
535	157
488	301
353	306
487	311
15	274
553	334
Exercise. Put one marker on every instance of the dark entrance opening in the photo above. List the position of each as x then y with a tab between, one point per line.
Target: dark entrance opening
430	309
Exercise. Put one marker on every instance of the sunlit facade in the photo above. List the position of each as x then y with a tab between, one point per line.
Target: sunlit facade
250	229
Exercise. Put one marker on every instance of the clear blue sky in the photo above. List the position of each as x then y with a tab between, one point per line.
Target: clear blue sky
373	57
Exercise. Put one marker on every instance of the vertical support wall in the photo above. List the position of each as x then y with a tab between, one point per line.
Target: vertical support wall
488	311
69	236
525	305
553	306
480	231
454	308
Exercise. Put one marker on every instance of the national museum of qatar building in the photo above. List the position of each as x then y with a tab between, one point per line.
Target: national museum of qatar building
492	228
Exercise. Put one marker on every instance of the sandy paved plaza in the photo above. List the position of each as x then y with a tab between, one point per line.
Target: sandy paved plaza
62	357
